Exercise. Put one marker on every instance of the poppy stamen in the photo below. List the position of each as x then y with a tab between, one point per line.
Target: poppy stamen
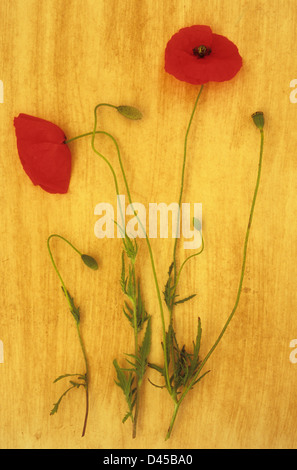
201	51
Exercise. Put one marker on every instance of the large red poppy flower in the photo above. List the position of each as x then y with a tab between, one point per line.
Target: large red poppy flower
196	55
45	157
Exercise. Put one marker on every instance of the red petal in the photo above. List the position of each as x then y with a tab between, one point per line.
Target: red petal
225	59
44	156
37	130
188	38
222	64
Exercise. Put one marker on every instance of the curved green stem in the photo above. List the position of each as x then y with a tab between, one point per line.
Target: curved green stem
77	321
183	173
144	231
190	385
81	136
100	154
243	261
183	264
54	264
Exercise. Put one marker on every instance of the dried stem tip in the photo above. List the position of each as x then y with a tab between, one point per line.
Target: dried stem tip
258	119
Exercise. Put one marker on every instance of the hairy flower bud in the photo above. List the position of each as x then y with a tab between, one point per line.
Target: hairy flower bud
90	262
129	112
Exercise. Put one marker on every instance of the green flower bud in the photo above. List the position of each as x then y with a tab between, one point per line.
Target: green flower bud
90	262
197	224
258	118
129	112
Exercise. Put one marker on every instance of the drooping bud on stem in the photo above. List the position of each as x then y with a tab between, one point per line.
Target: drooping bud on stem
90	262
129	112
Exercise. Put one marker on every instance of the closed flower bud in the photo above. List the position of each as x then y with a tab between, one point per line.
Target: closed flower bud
197	224
90	262
258	119
129	112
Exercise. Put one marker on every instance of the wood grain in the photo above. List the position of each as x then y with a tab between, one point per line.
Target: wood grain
61	58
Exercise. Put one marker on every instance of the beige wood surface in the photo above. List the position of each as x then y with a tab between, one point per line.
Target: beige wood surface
58	60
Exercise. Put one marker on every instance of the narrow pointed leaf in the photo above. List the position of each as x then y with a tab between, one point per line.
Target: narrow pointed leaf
185	299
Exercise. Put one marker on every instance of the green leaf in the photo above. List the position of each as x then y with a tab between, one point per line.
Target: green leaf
201	377
125	383
123	274
56	405
127	415
122	381
198	339
185	299
76	384
129	316
170	269
144	351
130	247
156	367
73	309
130	112
195	360
131	285
79	376
141	313
168	293
155	385
90	262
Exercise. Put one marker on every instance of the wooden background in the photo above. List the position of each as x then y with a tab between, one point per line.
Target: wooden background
58	60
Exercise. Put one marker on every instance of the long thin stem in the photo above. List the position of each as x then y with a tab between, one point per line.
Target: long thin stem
176	408
130	201
135	327
135	418
183	264
77	321
152	263
86	378
175	274
183	173
55	266
146	237
81	136
93	133
190	385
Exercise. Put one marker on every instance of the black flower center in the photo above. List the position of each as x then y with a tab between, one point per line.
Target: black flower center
201	51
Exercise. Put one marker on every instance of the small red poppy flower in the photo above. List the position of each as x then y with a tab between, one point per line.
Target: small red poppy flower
45	157
196	55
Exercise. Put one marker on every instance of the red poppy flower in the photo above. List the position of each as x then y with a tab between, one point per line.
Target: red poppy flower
196	55
45	157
